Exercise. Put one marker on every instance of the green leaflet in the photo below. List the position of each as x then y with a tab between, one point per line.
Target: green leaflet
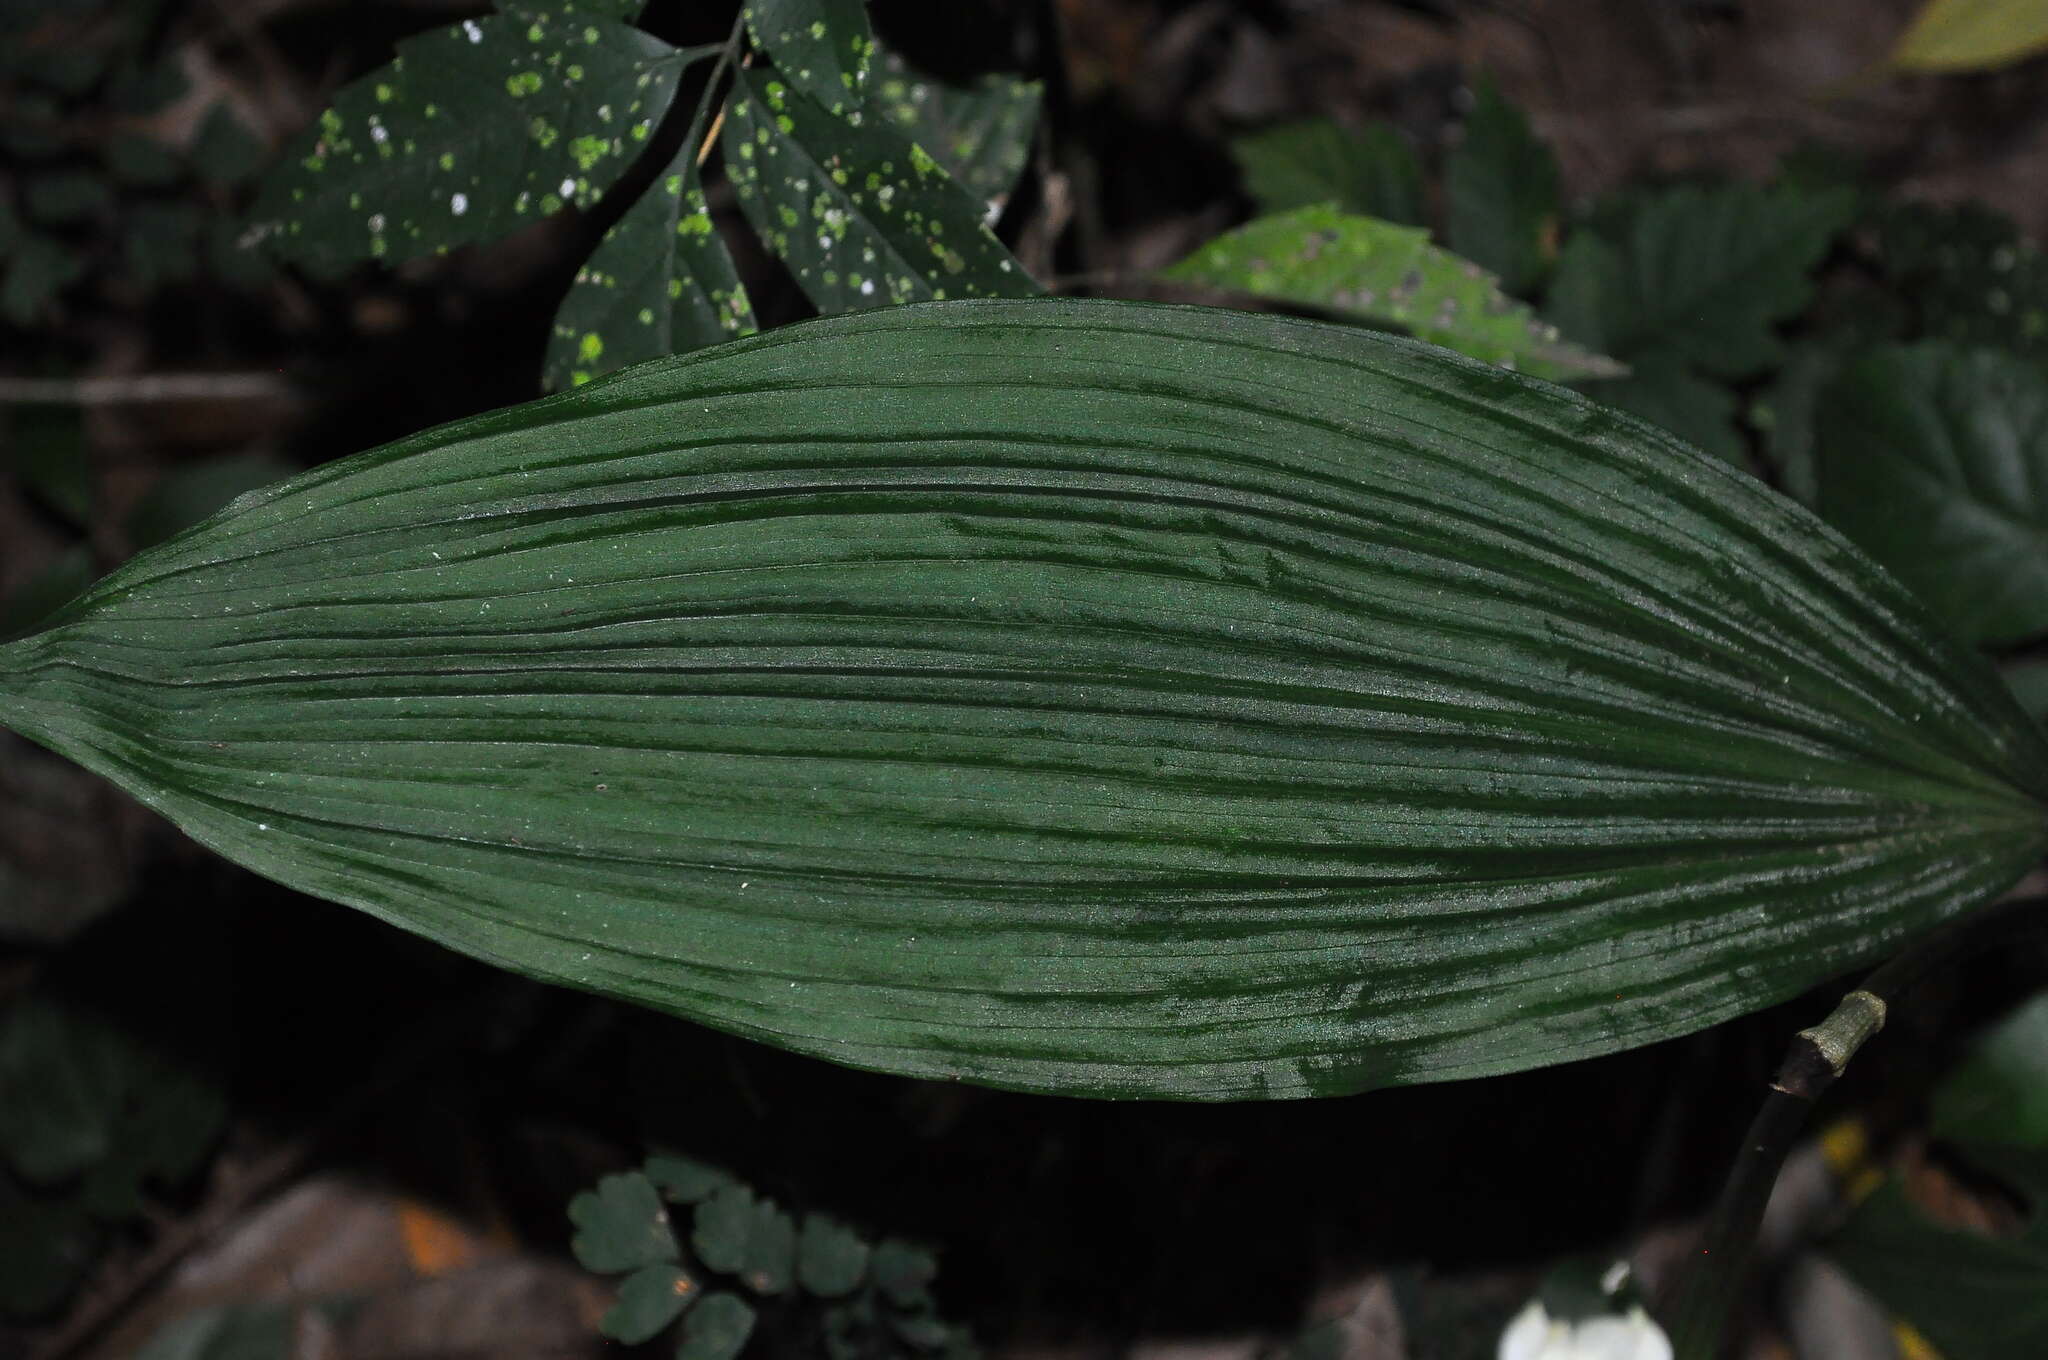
981	133
659	283
1082	696
861	215
471	132
1382	272
824	47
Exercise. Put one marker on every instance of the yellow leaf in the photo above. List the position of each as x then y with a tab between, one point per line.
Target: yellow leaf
1969	35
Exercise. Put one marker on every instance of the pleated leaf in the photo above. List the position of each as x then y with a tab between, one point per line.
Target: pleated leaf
1088	697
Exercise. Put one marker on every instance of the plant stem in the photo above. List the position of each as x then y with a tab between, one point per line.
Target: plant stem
1814	1060
695	137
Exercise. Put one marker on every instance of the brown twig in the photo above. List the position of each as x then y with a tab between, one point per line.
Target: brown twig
142	388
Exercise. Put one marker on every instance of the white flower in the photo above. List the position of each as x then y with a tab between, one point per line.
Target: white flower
1536	1335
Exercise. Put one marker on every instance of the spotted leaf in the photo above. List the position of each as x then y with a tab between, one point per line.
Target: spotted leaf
860	214
661	282
471	131
981	133
823	47
625	11
1380	271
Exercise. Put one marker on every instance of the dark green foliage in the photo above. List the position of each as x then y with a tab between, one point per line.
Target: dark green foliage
502	120
225	151
257	1331
1663	390
621	1225
980	133
142	161
816	1286
1976	1297
716	1329
1500	196
472	131
99	1116
46	1246
1705	274
831	1258
63	196
685	1180
660	282
823	47
1935	460
1373	171
736	1234
649	1300
1965	275
161	242
862	216
1688	286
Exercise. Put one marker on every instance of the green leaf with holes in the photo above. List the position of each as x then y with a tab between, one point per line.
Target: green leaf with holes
861	215
1372	172
823	47
661	282
1380	271
981	133
1935	460
473	131
1082	696
1500	193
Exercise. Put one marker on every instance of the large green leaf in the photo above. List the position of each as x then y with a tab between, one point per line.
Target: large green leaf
1935	460
471	132
1381	271
1082	696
